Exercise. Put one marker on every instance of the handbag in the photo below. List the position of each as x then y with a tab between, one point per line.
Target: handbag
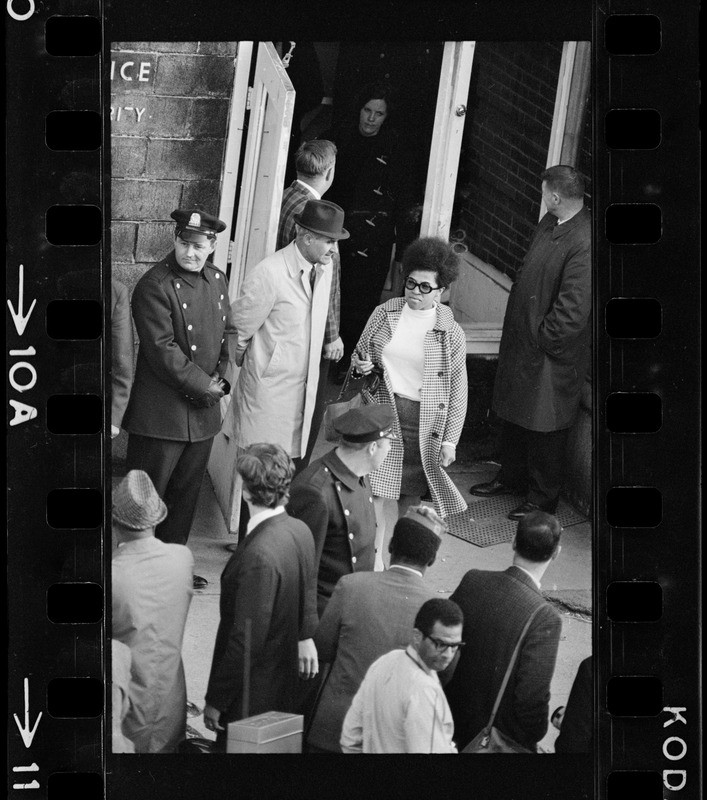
349	399
490	739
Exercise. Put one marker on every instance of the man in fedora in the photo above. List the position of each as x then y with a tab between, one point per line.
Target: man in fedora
151	593
180	308
281	315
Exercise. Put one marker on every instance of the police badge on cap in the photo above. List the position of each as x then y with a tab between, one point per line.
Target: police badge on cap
193	222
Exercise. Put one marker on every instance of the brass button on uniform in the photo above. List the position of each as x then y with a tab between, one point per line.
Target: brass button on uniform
193	347
347	512
353	559
184	305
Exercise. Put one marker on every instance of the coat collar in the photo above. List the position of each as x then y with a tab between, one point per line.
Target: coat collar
340	471
443	322
561	230
188	277
522	577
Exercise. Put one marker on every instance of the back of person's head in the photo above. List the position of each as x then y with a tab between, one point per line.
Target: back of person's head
433	255
447	612
538	536
413	543
567	181
267	472
315	157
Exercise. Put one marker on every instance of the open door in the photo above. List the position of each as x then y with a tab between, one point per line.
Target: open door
272	99
271	105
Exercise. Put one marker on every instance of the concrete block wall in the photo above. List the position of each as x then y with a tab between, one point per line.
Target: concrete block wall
170	104
509	120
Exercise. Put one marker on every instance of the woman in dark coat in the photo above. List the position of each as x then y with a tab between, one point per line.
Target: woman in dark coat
269	586
370	184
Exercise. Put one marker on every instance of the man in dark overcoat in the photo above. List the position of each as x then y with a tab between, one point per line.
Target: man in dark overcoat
496	607
180	308
545	348
267	604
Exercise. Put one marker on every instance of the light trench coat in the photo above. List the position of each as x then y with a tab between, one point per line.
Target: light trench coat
280	338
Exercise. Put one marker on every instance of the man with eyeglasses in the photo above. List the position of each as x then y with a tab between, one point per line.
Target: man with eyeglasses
180	309
400	707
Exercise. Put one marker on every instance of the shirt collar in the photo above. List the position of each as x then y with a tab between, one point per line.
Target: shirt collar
407	569
309	188
415	656
302	263
140	545
261	516
341	471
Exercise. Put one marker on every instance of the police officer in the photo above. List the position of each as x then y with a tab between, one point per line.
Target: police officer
181	311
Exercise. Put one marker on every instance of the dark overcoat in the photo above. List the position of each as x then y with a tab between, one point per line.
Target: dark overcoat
496	606
181	318
121	365
267	580
545	345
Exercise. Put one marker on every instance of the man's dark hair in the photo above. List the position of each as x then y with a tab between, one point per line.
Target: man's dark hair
537	536
438	610
432	255
567	181
413	542
267	472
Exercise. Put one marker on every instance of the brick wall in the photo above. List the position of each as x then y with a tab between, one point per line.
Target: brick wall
169	119
506	138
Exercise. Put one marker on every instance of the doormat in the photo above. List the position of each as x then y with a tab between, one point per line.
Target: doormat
484	522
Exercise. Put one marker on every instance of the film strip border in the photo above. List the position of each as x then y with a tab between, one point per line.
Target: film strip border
647	368
56	399
647	526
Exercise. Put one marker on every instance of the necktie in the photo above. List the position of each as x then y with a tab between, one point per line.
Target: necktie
312	276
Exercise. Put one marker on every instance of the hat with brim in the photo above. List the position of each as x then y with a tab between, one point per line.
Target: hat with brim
193	223
366	424
136	504
323	218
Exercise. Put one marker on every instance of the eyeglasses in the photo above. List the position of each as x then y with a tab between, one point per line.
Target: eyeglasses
425	287
442	646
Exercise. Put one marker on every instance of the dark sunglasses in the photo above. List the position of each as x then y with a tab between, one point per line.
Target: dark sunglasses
425	287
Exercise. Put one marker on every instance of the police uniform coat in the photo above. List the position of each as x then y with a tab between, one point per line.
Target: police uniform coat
181	319
280	337
545	345
337	506
266	580
443	401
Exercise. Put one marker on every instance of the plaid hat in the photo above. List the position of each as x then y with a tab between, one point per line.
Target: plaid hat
424	515
195	222
366	424
136	504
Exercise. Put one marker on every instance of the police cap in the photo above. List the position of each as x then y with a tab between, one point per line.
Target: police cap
366	424
193	222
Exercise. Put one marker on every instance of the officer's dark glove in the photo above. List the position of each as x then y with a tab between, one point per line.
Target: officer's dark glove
222	382
211	396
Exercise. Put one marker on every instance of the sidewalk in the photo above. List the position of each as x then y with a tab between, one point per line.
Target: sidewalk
568	580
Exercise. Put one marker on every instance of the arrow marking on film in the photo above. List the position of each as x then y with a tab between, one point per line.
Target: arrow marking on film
18	317
26	732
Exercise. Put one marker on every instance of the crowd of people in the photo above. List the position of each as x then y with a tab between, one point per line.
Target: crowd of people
312	619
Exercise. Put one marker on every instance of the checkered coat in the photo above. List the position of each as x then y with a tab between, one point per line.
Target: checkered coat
442	403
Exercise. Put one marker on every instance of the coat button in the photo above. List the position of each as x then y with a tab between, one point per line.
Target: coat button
217	276
434	435
189	327
347	513
178	285
353	559
338	488
193	347
184	305
441	405
370	499
440	374
221	297
351	536
222	341
223	319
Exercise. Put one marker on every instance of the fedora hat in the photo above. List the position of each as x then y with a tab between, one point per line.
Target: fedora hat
136	504
324	218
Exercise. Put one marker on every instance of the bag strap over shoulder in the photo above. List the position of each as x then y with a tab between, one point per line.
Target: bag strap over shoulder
511	663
